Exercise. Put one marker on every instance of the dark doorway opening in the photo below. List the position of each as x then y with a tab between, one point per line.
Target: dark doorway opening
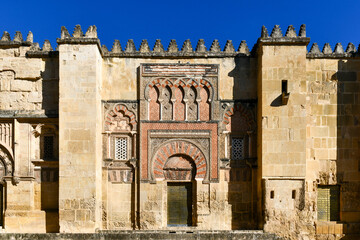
179	204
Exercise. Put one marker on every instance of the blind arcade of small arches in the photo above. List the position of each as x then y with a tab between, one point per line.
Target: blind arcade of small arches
179	99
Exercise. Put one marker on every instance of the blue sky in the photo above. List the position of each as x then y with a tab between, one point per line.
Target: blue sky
327	21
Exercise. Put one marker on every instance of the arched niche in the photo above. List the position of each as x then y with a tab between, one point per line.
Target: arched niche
6	162
175	155
120	119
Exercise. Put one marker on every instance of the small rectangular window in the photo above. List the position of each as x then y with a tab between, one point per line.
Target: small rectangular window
121	148
48	147
328	203
237	146
284	86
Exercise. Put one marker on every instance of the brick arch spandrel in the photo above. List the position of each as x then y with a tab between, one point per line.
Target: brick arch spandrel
170	149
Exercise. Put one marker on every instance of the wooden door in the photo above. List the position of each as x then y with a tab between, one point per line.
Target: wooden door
179	204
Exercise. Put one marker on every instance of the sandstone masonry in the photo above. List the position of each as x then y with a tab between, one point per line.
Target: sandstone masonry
180	139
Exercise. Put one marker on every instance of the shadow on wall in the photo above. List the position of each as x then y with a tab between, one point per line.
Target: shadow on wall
348	143
50	87
241	175
50	176
50	198
242	170
244	77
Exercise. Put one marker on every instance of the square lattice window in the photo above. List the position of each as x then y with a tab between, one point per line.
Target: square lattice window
237	148
121	148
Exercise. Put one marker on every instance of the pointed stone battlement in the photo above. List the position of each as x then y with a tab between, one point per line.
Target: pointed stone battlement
6	42
243	48
173	50
186	50
116	48
229	47
215	46
158	47
278	38
144	47
173	47
351	49
130	46
78	36
104	49
200	47
327	51
187	47
315	49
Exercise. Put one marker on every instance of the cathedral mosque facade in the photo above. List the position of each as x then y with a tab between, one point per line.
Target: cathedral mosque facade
183	137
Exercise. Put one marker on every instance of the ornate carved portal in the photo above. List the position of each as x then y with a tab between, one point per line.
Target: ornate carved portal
181	102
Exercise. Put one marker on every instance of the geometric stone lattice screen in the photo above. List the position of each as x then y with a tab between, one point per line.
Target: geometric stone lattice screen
237	148
120	148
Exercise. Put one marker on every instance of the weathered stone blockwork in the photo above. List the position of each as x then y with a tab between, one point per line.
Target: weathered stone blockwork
97	140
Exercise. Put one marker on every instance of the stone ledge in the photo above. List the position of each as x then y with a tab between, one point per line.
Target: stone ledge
28	114
13	44
42	54
135	235
175	55
284	41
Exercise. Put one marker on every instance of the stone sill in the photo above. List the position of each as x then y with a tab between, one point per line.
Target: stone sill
45	163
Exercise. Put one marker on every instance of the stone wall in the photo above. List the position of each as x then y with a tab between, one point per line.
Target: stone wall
332	133
80	146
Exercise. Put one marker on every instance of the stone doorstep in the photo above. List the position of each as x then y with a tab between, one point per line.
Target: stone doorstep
184	230
143	234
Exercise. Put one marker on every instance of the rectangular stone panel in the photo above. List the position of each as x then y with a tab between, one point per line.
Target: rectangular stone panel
179	70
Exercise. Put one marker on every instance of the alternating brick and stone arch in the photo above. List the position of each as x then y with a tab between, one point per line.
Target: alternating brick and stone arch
179	160
120	118
238	118
179	99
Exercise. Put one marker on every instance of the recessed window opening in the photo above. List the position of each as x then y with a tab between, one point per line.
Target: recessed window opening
293	194
284	86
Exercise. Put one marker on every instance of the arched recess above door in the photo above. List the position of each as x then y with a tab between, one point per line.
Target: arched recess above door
179	148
